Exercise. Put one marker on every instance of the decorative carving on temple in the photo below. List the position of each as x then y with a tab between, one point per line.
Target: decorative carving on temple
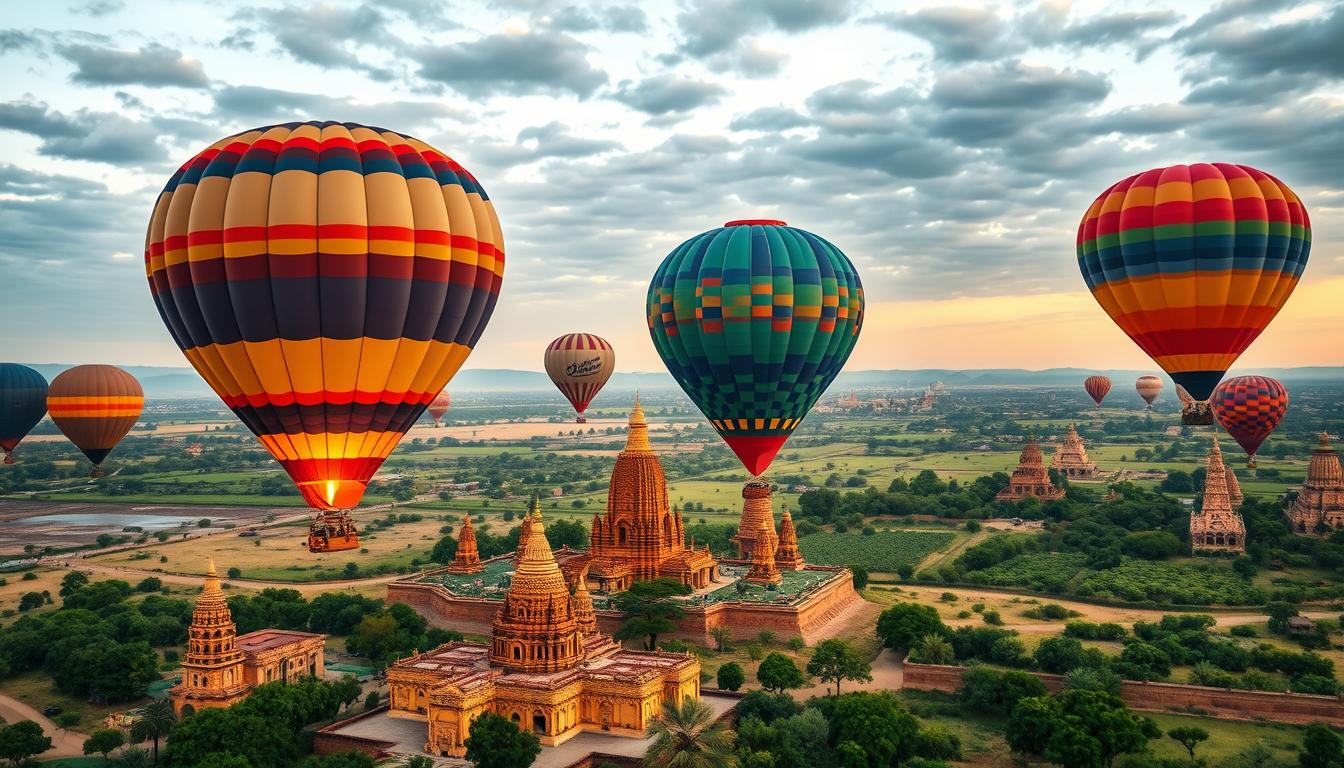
1030	479
764	570
1071	460
641	537
535	630
787	556
468	558
1319	506
1234	493
582	604
1216	527
756	513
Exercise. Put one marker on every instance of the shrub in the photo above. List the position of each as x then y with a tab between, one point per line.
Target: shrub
730	676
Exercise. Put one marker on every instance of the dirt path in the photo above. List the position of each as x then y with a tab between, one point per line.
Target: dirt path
887	675
64	742
194	580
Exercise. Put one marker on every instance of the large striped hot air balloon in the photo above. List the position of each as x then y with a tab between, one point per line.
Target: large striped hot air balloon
1193	262
1148	387
754	320
95	406
579	364
439	406
1249	408
327	280
23	403
1097	387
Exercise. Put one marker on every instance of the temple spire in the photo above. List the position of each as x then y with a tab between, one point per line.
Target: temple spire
1217	527
787	556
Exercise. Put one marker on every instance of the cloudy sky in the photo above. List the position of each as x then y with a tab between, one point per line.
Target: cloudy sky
950	151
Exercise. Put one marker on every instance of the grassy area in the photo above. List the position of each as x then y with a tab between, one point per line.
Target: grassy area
38	691
883	551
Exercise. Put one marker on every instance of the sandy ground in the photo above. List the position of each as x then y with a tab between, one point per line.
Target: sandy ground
309	589
887	675
65	743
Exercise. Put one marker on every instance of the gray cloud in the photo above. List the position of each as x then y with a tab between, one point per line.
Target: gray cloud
249	105
100	8
662	94
102	137
153	65
539	61
717	30
773	119
17	39
615	18
1239	48
322	34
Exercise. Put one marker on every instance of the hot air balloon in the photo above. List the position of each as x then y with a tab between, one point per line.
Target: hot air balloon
755	320
327	280
1097	387
579	364
95	406
439	406
1249	408
23	403
1193	262
1148	387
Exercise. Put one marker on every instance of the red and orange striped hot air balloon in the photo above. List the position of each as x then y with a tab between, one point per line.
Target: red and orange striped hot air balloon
1148	387
1097	387
327	280
439	406
1193	262
579	364
95	406
1249	408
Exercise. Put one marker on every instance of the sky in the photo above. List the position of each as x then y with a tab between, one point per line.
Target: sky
950	151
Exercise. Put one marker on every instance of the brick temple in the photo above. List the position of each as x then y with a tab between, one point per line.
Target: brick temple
1217	526
1070	459
1030	479
1319	506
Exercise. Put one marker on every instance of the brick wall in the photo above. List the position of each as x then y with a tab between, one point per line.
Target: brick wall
326	742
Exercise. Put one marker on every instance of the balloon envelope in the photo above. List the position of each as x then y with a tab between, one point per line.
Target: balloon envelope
440	405
1249	408
23	403
755	320
95	406
579	364
1193	262
1148	387
327	280
1097	387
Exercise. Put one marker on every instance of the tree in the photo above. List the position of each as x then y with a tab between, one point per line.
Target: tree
418	761
689	736
21	741
340	760
878	723
836	660
1078	729
235	573
495	742
223	760
901	624
133	757
371	701
731	677
347	689
1188	737
778	673
1321	747
103	742
722	635
155	722
755	652
988	689
860	576
933	649
650	610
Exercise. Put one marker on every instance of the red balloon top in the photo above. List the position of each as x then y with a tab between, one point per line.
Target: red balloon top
756	222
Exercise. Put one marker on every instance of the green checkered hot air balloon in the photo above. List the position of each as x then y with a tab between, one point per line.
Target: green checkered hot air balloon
754	320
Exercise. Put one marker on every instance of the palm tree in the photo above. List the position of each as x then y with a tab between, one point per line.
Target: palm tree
155	721
132	757
933	649
689	736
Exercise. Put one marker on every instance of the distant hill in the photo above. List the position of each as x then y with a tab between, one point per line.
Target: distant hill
166	382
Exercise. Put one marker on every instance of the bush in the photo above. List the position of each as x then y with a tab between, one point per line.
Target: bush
992	618
1242	630
730	676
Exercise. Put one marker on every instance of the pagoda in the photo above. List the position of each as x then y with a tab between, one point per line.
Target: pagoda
1071	461
787	556
535	630
1234	493
764	570
468	558
757	515
1320	502
582	604
641	537
1216	527
1030	479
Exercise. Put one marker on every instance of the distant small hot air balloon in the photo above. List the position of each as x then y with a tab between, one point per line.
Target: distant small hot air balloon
95	406
1148	387
755	320
1193	262
579	364
439	406
1097	387
23	403
1249	408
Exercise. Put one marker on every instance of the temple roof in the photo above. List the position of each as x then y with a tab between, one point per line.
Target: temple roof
1325	470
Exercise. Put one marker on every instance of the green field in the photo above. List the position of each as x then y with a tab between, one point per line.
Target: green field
881	552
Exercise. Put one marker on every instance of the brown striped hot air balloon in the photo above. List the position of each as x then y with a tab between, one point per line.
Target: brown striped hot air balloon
1148	387
327	280
1097	387
579	364
95	406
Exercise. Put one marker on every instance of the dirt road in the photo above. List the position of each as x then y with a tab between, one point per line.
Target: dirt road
64	742
192	580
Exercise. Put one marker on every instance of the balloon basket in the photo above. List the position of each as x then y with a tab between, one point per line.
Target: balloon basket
97	473
581	419
1197	415
332	532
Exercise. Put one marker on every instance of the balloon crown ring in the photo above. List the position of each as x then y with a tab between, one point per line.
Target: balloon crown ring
756	222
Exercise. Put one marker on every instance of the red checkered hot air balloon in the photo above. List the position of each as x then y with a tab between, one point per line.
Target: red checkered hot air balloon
439	406
579	364
1097	387
1249	408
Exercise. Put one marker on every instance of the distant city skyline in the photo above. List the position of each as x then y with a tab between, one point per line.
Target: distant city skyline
950	152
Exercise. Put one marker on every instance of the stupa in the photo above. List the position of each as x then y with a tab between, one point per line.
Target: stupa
1030	480
582	604
641	537
764	570
787	556
757	515
1216	527
1071	461
1234	493
1319	506
468	558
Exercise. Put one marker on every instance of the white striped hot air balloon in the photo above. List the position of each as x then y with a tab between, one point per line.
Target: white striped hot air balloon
579	364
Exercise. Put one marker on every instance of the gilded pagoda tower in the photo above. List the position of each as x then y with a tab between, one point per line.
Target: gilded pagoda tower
582	605
757	515
1320	502
1030	479
1216	527
641	537
787	556
1071	460
468	558
535	630
1234	493
212	670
